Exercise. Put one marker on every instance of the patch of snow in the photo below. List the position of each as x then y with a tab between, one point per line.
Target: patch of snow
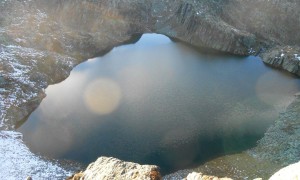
297	56
17	162
19	40
281	55
251	51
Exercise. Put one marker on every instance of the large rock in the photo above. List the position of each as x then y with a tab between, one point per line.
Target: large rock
108	168
283	57
291	172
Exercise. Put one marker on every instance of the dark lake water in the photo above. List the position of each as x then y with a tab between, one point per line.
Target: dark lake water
158	102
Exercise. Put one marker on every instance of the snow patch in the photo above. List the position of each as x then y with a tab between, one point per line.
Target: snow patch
18	64
297	56
17	162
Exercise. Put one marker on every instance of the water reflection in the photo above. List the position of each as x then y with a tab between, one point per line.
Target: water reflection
158	102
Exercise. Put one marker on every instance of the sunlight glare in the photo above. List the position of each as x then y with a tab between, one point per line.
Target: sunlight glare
102	96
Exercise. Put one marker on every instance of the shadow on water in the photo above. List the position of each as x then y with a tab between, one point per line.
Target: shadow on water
205	150
158	102
132	40
205	50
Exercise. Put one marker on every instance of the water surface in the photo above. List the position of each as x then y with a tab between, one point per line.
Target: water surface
158	102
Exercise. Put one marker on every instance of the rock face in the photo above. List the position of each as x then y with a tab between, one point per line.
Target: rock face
285	57
107	168
290	172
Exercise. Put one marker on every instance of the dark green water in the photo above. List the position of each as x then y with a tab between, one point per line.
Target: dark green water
158	102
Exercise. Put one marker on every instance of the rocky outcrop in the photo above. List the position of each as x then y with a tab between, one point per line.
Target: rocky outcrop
200	24
283	57
107	168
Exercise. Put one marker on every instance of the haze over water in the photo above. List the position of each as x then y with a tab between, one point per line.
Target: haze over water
158	102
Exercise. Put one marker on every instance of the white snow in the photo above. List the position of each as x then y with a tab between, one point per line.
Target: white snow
17	162
18	70
297	56
16	66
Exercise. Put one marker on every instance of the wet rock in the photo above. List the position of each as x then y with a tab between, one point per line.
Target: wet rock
290	172
112	168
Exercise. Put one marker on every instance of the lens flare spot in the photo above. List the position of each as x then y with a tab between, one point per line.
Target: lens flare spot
102	96
274	92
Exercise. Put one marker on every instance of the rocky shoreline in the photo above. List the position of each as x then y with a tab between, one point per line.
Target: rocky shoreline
42	41
111	168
